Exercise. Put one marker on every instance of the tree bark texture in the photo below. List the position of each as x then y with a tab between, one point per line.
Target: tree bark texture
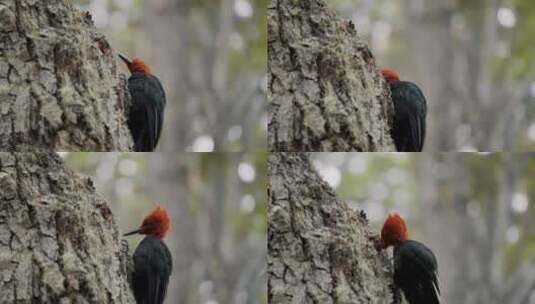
319	250
325	92
58	239
59	86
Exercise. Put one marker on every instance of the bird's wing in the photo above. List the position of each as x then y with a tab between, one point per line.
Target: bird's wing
417	116
151	131
421	113
162	289
160	103
146	116
140	280
422	138
168	260
417	127
415	272
150	287
152	271
410	112
427	268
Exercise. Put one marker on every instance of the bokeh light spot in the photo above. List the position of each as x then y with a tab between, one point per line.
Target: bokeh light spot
243	8
246	172
520	202
203	143
506	17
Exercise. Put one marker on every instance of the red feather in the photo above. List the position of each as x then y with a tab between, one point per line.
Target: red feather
390	75
394	230
138	66
157	223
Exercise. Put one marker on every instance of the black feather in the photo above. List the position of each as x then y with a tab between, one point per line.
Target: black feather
415	272
152	268
146	114
410	109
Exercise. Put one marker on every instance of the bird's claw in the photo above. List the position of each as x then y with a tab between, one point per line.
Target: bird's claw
124	247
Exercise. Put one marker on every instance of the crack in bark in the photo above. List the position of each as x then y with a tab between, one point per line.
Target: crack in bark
321	112
52	48
60	247
319	250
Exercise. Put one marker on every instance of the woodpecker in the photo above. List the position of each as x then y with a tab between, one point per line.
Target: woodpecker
148	104
152	259
410	110
415	265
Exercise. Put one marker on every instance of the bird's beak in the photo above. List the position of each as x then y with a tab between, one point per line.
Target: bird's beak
379	244
125	59
132	232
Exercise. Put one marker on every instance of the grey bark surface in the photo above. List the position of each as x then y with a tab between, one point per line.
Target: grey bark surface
325	92
59	86
58	239
319	250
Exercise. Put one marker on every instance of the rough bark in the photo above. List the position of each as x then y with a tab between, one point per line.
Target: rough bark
325	93
59	86
319	250
58	239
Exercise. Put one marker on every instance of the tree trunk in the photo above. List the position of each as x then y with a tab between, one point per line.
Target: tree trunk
325	93
319	250
58	239
59	87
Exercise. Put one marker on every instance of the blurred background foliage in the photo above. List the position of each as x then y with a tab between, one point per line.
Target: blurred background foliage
474	60
217	203
475	210
211	58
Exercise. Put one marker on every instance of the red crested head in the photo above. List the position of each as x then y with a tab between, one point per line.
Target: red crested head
156	224
136	65
390	75
394	231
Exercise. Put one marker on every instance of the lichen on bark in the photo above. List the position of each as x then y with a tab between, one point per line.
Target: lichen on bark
319	250
59	85
325	93
58	239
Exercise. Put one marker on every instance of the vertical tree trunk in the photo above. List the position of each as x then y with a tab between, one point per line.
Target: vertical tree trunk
325	93
59	87
319	250
58	239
